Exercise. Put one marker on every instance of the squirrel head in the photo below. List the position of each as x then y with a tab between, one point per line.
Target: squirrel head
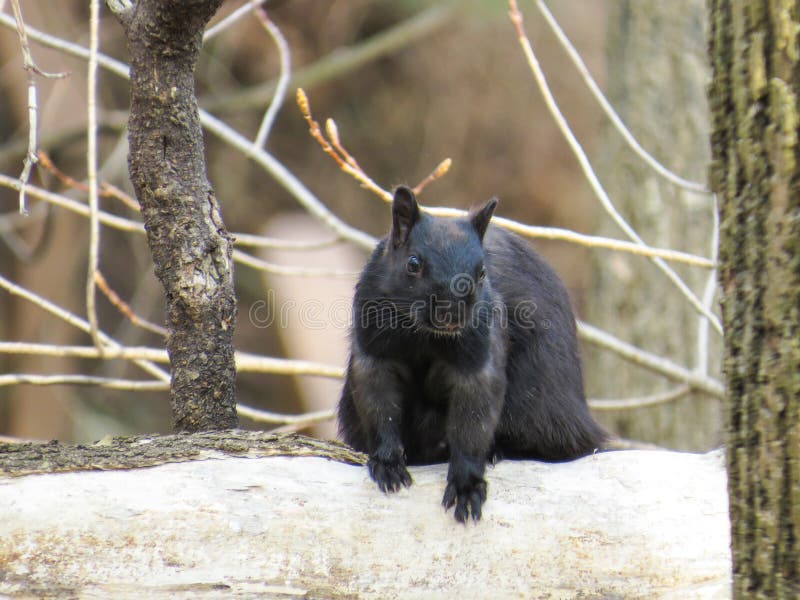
433	267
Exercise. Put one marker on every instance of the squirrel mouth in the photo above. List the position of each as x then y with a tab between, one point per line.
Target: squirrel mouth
446	329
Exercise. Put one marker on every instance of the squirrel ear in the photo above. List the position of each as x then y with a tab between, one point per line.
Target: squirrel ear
405	213
480	217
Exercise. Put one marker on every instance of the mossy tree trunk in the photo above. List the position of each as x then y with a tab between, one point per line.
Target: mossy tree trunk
192	251
756	174
657	78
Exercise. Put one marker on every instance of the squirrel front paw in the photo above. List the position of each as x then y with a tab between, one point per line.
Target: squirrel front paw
466	489
389	471
468	500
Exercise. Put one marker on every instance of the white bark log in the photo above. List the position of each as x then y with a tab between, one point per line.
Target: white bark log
615	525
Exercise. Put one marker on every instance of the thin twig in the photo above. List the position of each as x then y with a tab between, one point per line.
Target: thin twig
345	161
265	160
259	364
612	115
156	355
91	173
276	269
261	241
123	307
440	171
334	148
708	297
245	361
653	362
516	18
79	208
283	81
133	385
33	105
105	190
232	18
289	182
330	128
299	421
108	190
76	322
644	401
129	225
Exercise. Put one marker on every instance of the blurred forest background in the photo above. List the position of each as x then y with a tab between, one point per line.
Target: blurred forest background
454	83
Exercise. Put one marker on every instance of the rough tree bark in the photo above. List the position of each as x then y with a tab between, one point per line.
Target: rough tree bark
190	245
657	78
756	174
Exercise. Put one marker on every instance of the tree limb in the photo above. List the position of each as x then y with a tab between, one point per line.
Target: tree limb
192	251
614	525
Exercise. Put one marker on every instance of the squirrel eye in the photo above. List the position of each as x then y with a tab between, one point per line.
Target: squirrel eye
482	273
413	265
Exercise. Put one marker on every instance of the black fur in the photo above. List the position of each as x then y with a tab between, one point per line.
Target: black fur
451	362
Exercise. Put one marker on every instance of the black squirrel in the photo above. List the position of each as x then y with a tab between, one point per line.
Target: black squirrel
463	349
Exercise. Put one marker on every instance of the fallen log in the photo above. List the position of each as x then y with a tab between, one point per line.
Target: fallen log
241	520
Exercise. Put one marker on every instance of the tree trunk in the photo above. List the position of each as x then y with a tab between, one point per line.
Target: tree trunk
190	245
657	77
756	174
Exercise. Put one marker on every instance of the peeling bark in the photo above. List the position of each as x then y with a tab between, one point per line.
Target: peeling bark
756	174
192	251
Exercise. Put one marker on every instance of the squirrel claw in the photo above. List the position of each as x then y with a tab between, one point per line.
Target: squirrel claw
468	500
390	476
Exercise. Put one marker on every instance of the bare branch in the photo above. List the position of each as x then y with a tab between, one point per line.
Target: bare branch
628	403
245	362
231	19
124	224
289	182
76	322
657	364
283	80
91	170
438	172
334	148
612	115
33	106
296	422
516	19
112	383
708	297
120	223
260	241
123	307
265	160
262	265
108	190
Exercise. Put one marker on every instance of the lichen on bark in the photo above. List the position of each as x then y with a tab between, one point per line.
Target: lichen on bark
753	96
